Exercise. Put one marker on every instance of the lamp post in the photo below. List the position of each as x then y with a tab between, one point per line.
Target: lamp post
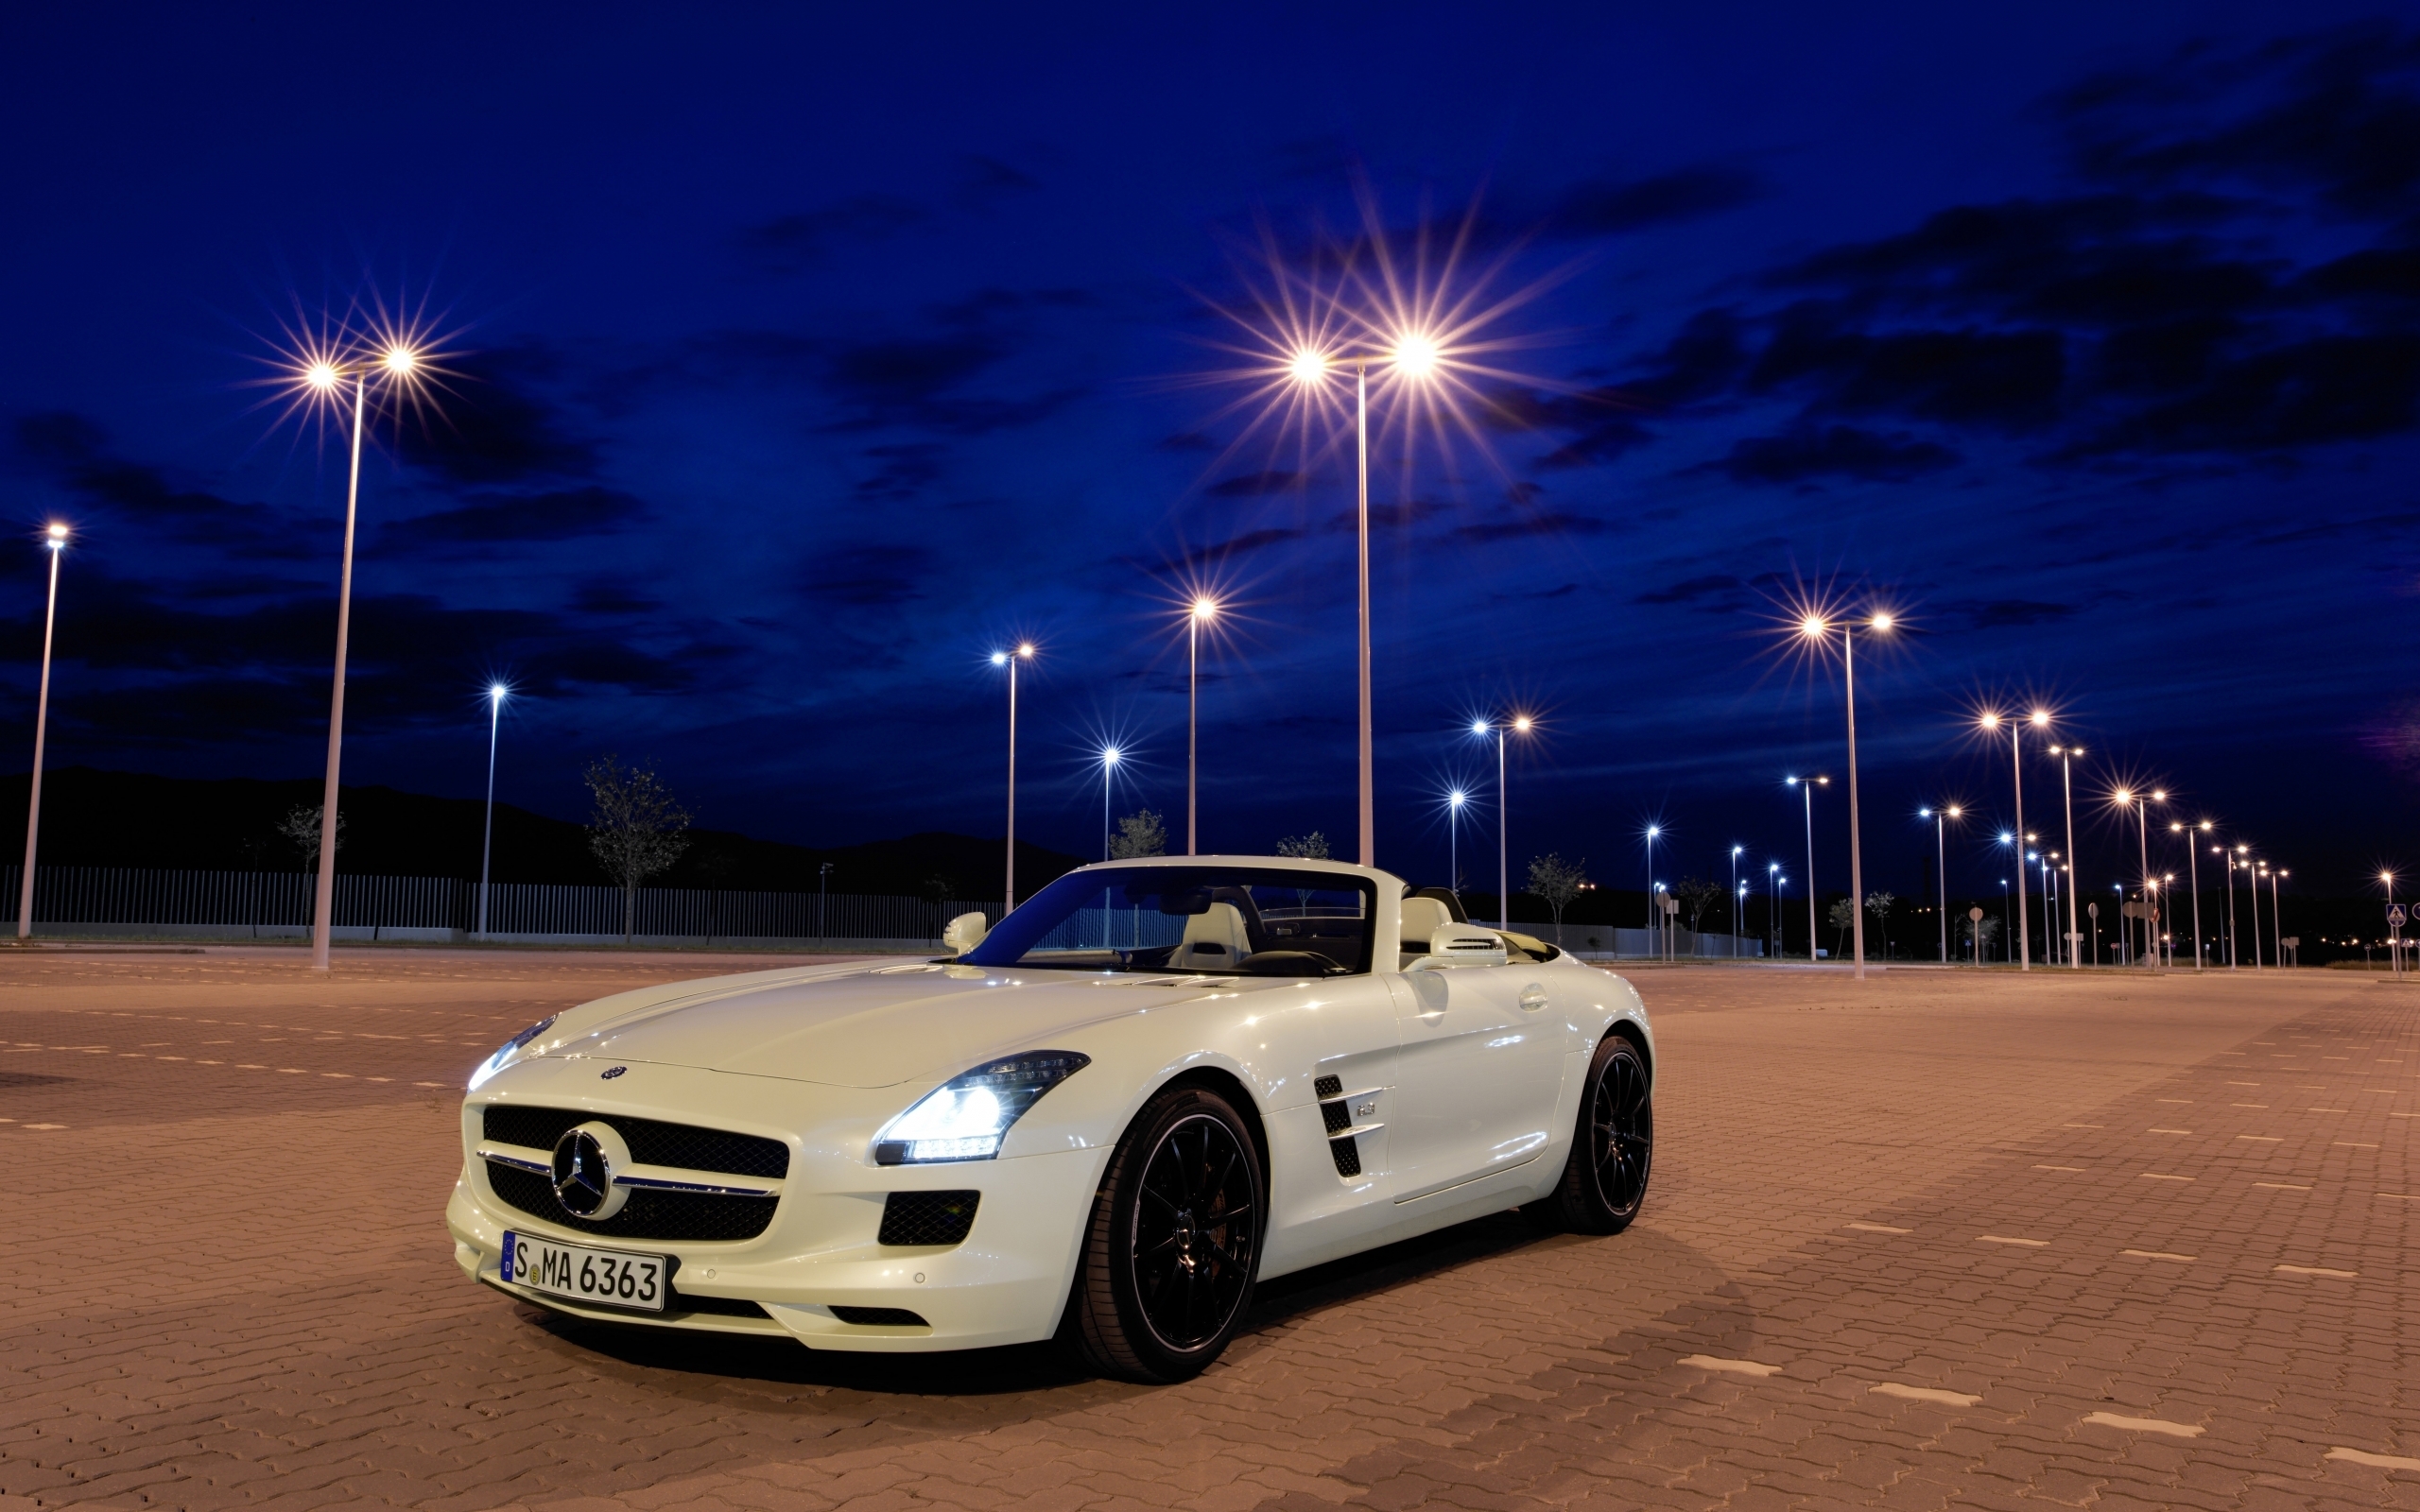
2252	887
1023	652
2017	854
2278	914
54	542
327	375
1454	802
1807	788
1414	357
2395	936
2140	803
1814	628
1108	769
2039	719
1519	724
2193	878
497	692
1734	899
1204	609
2222	851
2067	755
1941	865
1654	902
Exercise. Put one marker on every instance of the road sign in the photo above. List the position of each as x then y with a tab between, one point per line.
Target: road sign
1975	913
2395	916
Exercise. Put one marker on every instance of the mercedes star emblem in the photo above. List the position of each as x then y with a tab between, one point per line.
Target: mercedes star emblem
609	1075
582	1178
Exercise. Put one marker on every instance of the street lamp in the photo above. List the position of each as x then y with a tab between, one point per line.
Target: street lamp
1108	769
1455	801
2193	876
2252	886
1806	789
1023	652
497	693
2395	936
326	376
1520	724
2067	755
1940	866
1654	908
2039	719
54	542
1204	609
2278	914
1773	880
1815	628
2140	803
1414	355
1734	899
2222	851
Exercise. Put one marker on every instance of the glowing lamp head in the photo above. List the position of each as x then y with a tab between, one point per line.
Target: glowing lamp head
1478	726
2123	796
1415	356
1953	811
322	376
2006	837
1025	652
1457	798
496	692
1108	756
2040	717
1204	609
1923	813
1812	628
1308	366
2158	796
1522	724
1654	830
1990	721
1882	622
399	361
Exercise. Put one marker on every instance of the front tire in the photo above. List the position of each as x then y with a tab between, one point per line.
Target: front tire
1604	1180
1173	1246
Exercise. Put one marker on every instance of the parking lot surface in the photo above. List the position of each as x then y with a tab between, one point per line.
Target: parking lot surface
1932	1239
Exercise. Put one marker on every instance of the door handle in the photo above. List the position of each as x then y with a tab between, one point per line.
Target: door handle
1533	997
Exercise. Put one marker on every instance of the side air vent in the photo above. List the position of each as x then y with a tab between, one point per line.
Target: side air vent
1328	1087
880	1317
1336	1113
926	1218
1336	1116
1348	1156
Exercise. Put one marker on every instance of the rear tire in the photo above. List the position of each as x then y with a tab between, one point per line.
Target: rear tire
1172	1248
1604	1178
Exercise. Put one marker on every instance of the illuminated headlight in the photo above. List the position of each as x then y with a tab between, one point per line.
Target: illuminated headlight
511	1047
966	1117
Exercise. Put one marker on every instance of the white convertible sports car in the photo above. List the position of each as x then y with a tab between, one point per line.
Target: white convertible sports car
1152	1084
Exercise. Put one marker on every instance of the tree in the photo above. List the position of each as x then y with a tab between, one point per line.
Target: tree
1558	882
1697	895
1879	905
1311	847
302	827
1843	916
1139	834
1979	932
937	889
635	828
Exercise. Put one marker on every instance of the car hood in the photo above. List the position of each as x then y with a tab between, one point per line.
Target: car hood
876	1028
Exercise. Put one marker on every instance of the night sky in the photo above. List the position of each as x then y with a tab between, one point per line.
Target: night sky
803	358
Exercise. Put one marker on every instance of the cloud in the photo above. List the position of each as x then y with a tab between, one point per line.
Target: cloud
1836	451
1252	484
1535	522
902	472
607	595
1604	207
2004	379
495	426
75	451
2005	613
787	244
555	515
868	575
1185	441
1692	589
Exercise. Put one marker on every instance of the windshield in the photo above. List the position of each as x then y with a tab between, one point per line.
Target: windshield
1190	918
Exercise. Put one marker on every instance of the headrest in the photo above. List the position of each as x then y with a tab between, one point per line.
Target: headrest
1422	919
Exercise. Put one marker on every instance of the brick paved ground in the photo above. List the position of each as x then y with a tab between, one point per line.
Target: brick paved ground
1920	1242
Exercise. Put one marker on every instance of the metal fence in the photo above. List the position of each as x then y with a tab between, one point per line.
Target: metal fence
277	904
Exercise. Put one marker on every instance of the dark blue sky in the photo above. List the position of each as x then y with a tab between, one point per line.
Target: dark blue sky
806	359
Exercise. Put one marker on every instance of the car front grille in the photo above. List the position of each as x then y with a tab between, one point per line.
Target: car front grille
928	1217
683	1147
698	1216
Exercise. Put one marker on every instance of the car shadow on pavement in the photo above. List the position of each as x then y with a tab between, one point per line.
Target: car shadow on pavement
1024	1368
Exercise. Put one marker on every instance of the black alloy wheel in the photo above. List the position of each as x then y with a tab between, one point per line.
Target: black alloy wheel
1174	1243
1604	1181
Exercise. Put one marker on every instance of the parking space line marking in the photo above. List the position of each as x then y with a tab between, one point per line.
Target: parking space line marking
2154	1175
2074	1170
2185	1100
1943	1399
245	1065
1737	1367
2168	1131
2331	1109
292	1070
2156	1254
2002	1239
42	1126
2262	1139
2243	1084
2143	1425
1879	1228
2384	1462
2398	1196
2352	1144
2280	1186
2317	1270
2247	1105
2083	1125
436	1084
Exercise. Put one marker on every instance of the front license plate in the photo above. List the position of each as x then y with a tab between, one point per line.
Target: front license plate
606	1277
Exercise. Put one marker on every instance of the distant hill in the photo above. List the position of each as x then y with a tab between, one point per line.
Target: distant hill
97	818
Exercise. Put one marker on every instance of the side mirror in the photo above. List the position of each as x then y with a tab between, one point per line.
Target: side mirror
965	933
1462	945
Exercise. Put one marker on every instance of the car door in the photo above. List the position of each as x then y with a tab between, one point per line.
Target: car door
1478	1069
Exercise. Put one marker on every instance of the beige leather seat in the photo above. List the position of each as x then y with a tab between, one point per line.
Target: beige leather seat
1213	940
1422	919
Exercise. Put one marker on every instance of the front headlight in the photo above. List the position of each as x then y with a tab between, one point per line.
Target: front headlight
966	1117
509	1049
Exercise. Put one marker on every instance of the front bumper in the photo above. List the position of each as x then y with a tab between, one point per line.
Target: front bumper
1005	1283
